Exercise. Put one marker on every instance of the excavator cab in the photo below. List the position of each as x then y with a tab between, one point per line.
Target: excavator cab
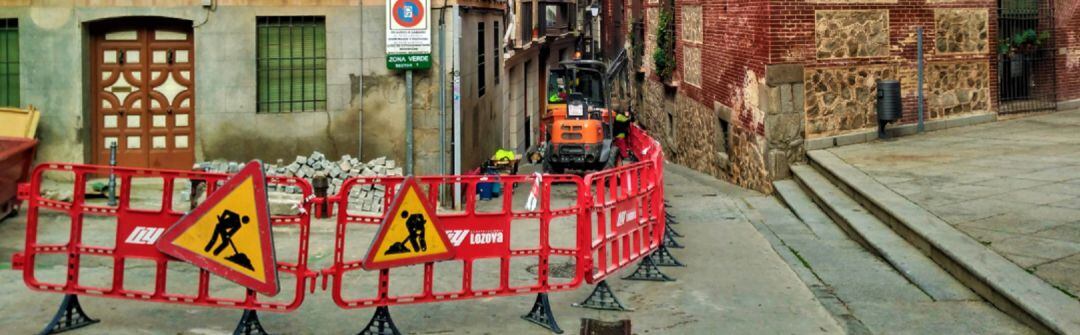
578	123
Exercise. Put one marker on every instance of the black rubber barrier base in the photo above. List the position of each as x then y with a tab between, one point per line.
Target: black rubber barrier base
70	316
541	314
249	324
669	240
673	232
603	298
647	270
381	323
663	257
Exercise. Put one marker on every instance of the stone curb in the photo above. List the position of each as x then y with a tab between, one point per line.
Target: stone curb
1001	282
896	131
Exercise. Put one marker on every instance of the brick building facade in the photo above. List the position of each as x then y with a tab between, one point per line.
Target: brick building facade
755	82
1067	19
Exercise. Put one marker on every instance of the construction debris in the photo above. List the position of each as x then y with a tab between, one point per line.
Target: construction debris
369	198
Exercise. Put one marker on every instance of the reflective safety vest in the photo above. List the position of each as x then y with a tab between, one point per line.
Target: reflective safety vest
503	154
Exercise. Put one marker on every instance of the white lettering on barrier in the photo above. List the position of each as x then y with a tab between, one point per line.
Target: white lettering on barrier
457	237
144	235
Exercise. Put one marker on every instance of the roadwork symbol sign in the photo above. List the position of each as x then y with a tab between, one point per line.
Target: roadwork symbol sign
229	234
409	233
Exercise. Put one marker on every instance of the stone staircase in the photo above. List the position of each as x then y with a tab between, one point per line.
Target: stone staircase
944	263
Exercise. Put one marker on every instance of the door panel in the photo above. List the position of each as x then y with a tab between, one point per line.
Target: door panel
143	87
172	100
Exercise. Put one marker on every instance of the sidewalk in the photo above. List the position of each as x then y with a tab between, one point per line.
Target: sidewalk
1012	185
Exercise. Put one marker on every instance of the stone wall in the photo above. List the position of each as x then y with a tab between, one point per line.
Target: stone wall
697	126
841	99
852	33
748	168
847	45
783	104
702	139
957	87
961	30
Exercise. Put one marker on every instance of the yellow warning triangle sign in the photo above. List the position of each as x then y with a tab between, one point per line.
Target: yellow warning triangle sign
229	234
409	234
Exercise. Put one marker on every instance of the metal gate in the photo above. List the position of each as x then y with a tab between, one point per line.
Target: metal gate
1026	71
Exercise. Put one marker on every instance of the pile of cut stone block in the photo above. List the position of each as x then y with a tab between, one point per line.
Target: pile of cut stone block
367	197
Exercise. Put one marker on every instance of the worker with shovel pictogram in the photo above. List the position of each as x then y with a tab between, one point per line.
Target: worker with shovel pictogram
228	224
415	225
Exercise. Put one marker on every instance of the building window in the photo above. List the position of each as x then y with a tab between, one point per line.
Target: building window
526	22
481	75
291	63
9	63
498	51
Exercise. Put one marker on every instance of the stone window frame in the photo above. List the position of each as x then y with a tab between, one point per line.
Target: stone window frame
989	50
888	31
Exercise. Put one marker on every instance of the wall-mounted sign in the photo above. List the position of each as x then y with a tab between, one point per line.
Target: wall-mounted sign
408	32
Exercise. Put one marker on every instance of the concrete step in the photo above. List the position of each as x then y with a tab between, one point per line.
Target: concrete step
1001	282
792	195
880	239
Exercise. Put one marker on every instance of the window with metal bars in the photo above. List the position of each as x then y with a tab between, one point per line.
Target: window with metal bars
9	62
291	63
481	74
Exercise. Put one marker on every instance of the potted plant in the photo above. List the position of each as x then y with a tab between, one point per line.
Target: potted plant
1024	42
1020	46
664	55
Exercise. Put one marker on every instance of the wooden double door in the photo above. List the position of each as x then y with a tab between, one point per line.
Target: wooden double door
142	82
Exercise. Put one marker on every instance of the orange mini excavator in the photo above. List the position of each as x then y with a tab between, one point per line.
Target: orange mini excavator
578	126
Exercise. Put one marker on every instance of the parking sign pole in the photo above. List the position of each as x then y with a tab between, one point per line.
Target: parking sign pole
408	123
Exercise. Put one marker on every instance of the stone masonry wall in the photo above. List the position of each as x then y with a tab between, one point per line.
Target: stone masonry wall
847	45
840	100
852	33
962	30
956	88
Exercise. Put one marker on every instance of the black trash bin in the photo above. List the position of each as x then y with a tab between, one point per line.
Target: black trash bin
889	104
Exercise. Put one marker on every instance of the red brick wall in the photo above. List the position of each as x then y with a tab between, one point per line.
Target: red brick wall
735	41
1067	20
791	30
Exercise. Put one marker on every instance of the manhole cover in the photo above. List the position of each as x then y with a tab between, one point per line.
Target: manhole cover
597	327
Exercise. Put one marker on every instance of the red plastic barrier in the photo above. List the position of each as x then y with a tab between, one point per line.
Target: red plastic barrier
625	214
495	223
136	232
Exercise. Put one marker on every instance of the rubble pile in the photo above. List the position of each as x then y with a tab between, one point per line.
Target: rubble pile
368	197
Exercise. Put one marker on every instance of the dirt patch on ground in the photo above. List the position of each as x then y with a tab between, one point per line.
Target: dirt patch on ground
558	270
